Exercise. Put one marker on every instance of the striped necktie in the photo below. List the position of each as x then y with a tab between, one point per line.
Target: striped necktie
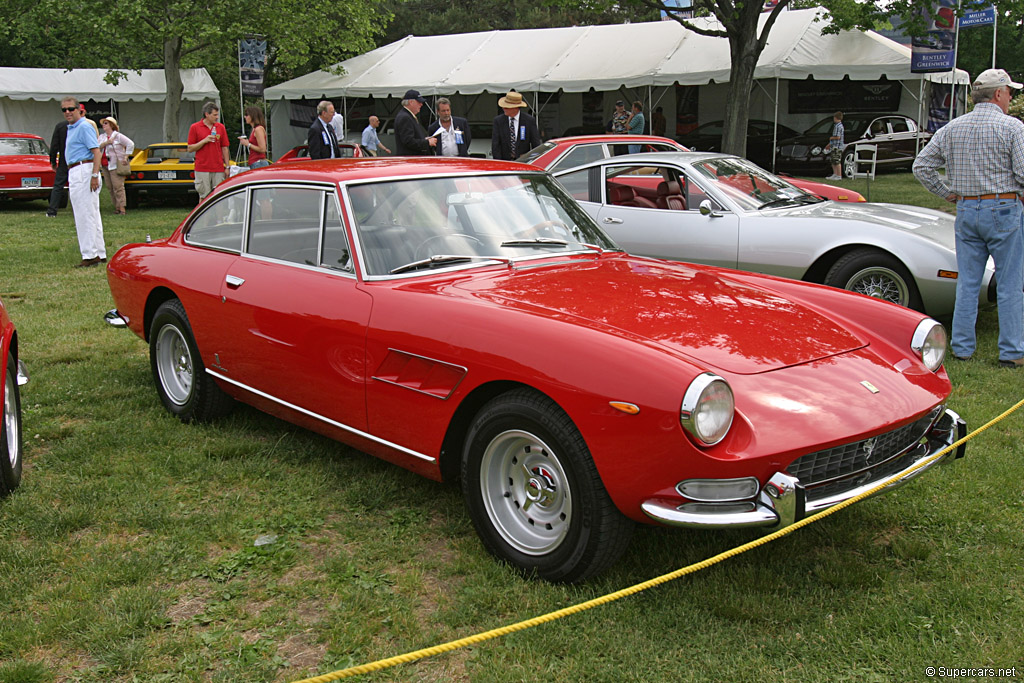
512	136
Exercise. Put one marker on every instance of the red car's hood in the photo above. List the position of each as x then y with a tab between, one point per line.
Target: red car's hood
695	310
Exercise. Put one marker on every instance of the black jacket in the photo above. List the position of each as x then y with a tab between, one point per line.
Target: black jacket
410	138
527	139
57	144
462	125
321	138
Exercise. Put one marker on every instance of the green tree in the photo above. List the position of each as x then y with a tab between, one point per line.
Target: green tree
138	34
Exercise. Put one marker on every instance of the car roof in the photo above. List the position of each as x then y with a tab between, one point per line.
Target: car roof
653	158
576	139
346	170
20	135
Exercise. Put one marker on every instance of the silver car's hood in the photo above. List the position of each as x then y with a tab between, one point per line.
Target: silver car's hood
927	223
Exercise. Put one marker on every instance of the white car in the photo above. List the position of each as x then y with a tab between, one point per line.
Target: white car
722	210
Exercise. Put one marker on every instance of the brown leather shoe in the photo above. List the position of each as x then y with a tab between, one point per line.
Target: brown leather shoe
1014	363
86	262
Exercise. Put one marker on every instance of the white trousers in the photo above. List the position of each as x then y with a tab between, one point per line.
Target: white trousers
86	205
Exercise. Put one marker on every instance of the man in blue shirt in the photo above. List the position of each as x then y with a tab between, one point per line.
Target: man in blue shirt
82	151
370	140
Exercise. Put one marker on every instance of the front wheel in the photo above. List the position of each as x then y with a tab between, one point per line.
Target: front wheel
849	165
178	371
876	274
10	431
534	493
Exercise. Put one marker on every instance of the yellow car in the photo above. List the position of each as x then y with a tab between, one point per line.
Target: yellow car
163	170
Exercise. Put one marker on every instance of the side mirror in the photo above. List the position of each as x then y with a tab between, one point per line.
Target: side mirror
708	209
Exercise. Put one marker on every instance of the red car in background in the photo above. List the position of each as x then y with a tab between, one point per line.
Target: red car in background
25	171
559	154
467	320
298	153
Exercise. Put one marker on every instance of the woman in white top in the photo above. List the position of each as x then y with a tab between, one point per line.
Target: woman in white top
116	146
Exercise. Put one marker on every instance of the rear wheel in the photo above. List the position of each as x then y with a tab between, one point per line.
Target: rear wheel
178	371
876	274
534	493
10	431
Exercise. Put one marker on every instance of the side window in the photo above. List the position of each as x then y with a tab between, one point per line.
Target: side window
576	183
899	125
285	223
577	156
336	253
878	127
219	226
646	187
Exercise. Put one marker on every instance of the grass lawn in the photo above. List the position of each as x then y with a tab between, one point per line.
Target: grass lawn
128	552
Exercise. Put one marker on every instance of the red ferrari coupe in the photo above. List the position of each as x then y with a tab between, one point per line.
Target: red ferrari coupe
25	171
467	320
560	154
14	375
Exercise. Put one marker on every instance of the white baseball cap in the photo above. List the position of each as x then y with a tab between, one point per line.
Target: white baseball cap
995	78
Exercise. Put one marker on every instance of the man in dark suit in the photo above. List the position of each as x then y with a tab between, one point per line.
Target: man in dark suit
451	131
60	168
410	138
322	141
514	132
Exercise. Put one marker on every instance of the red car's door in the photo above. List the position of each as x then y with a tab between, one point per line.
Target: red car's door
293	321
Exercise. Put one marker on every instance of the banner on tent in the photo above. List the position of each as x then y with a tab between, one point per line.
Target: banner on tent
252	58
815	97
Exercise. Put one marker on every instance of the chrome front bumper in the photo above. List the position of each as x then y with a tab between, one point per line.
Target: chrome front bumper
21	374
114	319
782	500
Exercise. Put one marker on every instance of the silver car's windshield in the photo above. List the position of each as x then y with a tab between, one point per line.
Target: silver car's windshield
412	224
749	185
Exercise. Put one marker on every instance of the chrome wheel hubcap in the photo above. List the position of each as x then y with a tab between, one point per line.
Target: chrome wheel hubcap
525	492
174	364
880	283
12	424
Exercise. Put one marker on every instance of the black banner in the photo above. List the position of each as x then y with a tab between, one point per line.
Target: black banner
822	97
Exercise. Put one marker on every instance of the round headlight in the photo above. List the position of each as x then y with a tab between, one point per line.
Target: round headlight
707	409
929	342
815	151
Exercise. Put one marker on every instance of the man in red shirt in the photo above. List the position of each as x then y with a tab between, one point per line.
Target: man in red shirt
208	139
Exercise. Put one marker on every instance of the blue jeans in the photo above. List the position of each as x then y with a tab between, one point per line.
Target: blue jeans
989	227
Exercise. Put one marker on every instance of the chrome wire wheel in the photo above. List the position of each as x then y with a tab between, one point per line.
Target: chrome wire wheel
12	422
525	492
174	364
880	283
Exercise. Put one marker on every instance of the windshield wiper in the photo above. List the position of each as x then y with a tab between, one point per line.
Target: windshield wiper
536	242
776	202
435	260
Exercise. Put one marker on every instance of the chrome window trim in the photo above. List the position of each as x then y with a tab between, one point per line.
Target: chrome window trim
187	229
326	420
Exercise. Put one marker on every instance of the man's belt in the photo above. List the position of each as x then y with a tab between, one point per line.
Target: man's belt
79	163
998	195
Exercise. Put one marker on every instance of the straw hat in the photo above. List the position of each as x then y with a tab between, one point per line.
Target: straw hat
512	100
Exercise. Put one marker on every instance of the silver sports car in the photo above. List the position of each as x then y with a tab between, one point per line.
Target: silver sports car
726	211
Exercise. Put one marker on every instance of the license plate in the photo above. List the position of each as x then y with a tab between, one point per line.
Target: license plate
166	175
30	182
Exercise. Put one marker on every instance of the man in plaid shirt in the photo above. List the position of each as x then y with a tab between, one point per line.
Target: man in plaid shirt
983	153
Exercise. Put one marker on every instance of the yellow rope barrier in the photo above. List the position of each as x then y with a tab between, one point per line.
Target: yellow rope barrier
651	583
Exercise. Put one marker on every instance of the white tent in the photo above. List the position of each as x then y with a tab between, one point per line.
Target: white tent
645	58
30	99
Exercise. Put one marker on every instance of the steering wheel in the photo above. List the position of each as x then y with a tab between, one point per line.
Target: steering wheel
424	249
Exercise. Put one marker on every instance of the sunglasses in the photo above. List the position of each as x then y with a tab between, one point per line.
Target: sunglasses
68	108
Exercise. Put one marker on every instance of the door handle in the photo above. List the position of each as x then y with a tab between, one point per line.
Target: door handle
611	219
234	282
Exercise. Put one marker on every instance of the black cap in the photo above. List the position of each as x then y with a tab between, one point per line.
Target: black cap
620	103
413	95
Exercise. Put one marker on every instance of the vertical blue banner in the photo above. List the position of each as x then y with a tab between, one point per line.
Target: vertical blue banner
935	51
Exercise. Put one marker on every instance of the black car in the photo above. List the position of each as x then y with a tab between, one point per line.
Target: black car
761	135
895	137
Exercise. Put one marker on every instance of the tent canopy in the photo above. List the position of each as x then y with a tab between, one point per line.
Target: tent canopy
576	59
45	85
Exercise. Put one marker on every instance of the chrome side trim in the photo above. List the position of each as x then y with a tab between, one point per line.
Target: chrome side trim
114	318
326	420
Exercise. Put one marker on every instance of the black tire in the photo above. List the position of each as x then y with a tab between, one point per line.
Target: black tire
178	371
11	442
131	199
876	274
534	493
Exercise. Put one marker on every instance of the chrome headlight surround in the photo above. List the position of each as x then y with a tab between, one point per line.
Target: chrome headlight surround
929	343
708	408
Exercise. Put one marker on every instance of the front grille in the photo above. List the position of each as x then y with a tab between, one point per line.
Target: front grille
796	151
834	470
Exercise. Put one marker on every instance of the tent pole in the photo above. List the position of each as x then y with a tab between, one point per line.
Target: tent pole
775	128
